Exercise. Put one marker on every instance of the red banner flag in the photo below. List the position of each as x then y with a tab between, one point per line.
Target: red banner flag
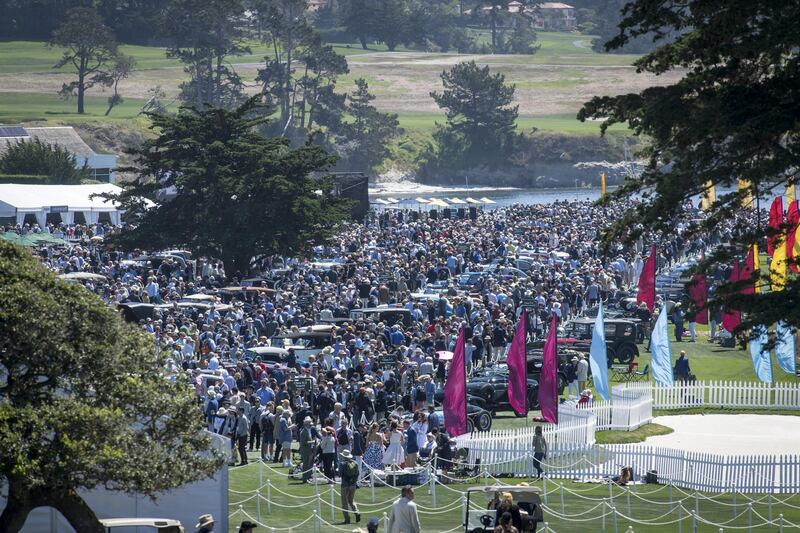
775	221
548	379
647	282
793	236
517	368
455	391
731	317
698	292
746	271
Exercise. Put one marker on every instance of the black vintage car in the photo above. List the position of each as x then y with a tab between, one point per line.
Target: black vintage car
620	338
493	388
478	419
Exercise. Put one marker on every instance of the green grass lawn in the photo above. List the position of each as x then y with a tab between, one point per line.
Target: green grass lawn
561	123
294	502
25	107
637	435
560	48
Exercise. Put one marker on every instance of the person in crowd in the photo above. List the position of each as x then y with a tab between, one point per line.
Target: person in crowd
242	433
307	440
373	455
403	517
328	452
205	524
394	456
582	372
350	475
507	506
247	526
572	378
681	369
539	445
285	431
505	525
677	319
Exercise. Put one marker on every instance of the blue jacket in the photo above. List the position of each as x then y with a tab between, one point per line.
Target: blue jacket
411	441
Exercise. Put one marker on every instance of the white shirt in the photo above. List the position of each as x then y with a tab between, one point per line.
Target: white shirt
404	518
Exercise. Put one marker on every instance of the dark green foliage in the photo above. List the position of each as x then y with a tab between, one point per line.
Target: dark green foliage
42	159
84	402
605	23
240	195
204	33
30	179
354	16
366	136
90	47
734	114
481	121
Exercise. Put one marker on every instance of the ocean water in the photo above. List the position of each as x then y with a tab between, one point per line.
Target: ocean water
503	197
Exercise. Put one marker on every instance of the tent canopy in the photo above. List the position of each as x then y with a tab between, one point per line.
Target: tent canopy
18	200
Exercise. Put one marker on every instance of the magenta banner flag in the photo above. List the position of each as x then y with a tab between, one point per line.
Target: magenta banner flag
698	292
647	282
455	391
517	368
548	379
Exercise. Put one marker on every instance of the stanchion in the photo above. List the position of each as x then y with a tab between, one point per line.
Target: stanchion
780	523
769	505
372	483
269	497
544	480
432	482
385	522
694	522
258	492
315	521
605	504
464	510
749	518
611	493
733	490
680	518
696	503
629	530
628	496
561	485
319	505
669	489
333	516
614	518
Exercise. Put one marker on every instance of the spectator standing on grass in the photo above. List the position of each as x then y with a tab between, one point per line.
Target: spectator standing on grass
582	372
242	433
682	370
677	319
350	474
403	517
539	451
572	378
308	446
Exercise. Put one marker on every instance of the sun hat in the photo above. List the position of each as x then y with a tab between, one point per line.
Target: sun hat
204	520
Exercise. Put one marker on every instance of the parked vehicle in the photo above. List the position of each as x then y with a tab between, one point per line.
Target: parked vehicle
307	341
159	525
621	337
387	315
493	388
481	520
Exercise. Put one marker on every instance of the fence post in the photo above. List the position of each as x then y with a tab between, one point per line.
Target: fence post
614	518
671	505
562	498
333	516
628	495
372	483
433	486
544	478
258	492
385	522
269	497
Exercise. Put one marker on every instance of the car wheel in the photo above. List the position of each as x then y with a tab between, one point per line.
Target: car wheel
470	425
487	393
533	400
611	354
484	422
626	354
562	384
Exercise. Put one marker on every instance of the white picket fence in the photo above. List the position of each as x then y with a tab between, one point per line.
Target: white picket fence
573	454
735	394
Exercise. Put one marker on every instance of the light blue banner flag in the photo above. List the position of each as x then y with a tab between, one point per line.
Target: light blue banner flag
762	362
661	363
785	348
598	359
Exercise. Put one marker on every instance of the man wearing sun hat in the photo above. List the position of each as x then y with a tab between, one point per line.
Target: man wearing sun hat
205	524
349	473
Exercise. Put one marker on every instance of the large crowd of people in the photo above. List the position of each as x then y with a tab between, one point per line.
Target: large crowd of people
370	391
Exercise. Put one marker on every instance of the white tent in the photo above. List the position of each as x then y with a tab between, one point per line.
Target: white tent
17	200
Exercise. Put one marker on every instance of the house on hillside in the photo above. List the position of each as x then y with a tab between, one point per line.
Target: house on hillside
101	165
554	16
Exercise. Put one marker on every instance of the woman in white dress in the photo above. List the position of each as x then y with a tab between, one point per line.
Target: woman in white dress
394	455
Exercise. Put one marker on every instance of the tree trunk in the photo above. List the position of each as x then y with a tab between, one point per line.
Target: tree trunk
18	506
363	40
81	91
79	515
22	500
494	29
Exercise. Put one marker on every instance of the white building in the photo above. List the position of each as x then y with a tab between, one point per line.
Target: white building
101	165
